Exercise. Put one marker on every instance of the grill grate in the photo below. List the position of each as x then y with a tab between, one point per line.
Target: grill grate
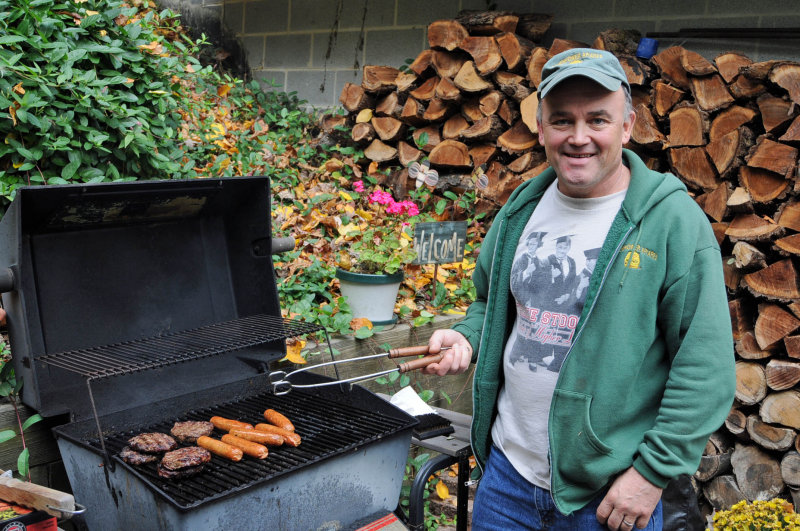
151	353
328	428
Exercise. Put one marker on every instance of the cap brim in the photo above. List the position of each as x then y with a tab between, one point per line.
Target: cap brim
610	83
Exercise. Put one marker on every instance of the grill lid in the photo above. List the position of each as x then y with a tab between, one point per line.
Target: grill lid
112	279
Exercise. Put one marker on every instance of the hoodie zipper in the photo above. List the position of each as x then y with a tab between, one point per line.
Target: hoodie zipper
483	329
589	313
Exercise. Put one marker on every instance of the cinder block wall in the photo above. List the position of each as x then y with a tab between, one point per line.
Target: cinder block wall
314	47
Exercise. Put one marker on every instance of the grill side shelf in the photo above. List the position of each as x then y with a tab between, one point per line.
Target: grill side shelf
152	353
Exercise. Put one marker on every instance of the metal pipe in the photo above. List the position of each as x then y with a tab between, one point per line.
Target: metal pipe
416	498
6	280
733	33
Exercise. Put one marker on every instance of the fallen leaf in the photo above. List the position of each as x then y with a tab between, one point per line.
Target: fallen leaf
333	165
359	322
154	48
294	349
442	491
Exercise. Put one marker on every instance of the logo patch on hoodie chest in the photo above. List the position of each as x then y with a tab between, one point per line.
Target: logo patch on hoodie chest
634	257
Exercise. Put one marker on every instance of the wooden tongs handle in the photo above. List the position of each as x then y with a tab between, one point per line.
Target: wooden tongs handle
419	363
420	350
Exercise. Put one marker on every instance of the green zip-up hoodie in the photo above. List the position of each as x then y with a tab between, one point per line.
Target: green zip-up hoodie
650	374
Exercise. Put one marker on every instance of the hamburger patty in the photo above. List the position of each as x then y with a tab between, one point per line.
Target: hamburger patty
188	431
133	457
189	457
152	443
177	474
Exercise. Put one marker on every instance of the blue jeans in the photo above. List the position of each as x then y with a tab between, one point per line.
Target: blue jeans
505	501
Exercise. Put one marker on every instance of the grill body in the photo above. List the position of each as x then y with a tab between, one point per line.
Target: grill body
136	305
331	495
349	466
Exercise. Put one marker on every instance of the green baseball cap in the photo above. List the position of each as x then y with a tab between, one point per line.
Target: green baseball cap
600	66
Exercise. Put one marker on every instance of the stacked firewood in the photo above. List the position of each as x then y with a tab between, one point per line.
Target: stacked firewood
728	128
467	102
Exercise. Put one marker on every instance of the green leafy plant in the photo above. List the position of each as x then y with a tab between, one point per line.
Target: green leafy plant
88	92
373	243
308	296
10	388
431	520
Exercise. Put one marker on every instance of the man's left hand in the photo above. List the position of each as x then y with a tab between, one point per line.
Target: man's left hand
629	502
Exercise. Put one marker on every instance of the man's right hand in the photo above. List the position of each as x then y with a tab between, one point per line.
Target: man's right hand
456	359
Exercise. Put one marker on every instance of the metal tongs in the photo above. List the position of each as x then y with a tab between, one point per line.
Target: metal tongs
281	384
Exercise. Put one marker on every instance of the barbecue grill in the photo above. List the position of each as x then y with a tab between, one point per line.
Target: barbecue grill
135	305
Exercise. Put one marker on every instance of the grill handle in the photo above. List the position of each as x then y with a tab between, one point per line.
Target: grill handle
281	245
6	280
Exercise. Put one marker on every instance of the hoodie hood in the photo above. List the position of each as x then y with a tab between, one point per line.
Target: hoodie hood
646	188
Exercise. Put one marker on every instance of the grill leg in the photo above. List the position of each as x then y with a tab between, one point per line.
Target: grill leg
416	502
462	494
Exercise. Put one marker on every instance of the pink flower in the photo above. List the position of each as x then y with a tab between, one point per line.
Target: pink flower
358	186
394	208
381	197
412	209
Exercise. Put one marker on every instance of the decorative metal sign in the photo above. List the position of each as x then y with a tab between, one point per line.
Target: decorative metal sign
440	242
423	174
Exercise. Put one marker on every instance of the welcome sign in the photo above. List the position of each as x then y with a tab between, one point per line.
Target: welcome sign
440	242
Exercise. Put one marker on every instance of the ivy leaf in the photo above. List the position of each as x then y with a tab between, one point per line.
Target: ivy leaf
22	462
30	421
12	39
364	333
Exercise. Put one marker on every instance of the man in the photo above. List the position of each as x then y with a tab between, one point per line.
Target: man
563	270
529	266
649	368
590	260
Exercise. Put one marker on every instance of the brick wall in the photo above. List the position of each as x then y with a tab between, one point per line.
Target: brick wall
314	47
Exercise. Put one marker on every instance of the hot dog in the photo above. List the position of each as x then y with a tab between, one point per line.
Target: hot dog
229	424
261	437
289	437
253	449
278	419
220	448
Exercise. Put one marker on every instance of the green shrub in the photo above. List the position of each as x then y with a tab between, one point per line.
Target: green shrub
88	93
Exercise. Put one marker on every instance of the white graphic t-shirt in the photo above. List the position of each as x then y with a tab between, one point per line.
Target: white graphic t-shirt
550	274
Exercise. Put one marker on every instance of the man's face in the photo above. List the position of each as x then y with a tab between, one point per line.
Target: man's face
561	249
533	242
590	263
583	129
